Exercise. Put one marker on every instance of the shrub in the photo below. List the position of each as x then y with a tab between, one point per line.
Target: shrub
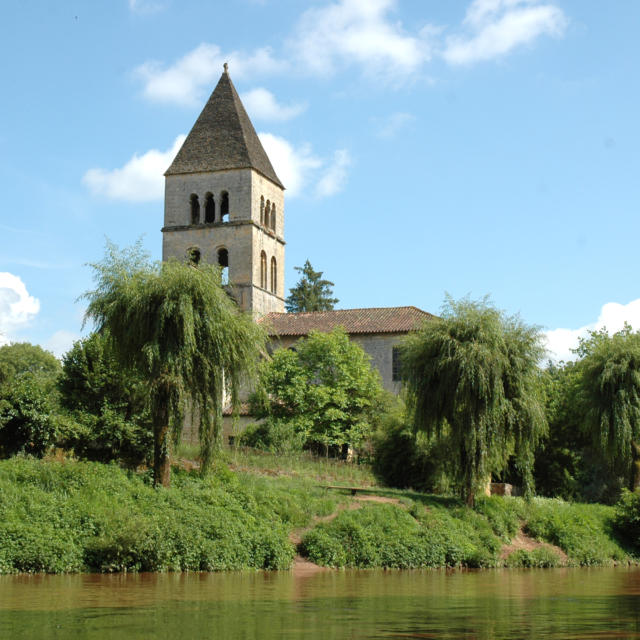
503	514
388	536
627	517
582	531
87	516
27	423
276	436
540	558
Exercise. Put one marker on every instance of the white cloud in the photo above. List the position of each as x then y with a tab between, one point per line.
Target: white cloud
335	176
187	80
17	307
302	171
60	342
294	167
361	32
390	126
140	180
496	27
262	105
147	6
612	316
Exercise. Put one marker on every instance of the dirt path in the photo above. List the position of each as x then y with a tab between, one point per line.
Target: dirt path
303	567
524	542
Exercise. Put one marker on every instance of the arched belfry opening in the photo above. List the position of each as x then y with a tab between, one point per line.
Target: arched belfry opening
223	262
195	209
263	270
224	206
274	275
209	208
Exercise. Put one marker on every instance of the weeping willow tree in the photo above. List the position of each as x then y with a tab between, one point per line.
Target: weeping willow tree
177	327
610	395
472	380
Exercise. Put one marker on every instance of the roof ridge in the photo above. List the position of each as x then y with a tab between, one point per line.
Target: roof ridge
408	306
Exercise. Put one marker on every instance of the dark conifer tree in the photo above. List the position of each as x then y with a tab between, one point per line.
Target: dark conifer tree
312	293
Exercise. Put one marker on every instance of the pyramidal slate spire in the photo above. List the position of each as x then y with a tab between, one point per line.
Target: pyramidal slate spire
223	138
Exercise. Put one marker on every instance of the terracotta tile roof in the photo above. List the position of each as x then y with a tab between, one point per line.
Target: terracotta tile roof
242	411
376	320
223	138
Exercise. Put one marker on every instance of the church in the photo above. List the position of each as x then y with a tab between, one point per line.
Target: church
224	204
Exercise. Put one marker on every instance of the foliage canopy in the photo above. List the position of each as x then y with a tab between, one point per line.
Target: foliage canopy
311	293
472	377
609	390
177	327
323	390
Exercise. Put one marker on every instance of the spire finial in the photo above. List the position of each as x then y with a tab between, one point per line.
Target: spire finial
226	67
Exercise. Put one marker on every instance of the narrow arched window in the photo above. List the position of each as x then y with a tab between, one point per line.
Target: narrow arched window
262	210
267	214
263	270
194	255
273	217
209	208
274	275
195	209
223	262
224	206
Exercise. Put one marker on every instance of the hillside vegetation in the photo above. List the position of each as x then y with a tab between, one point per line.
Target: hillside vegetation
74	516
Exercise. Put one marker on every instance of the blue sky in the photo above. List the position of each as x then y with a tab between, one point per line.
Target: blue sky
470	147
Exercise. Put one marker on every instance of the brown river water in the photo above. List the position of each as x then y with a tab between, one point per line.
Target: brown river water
554	603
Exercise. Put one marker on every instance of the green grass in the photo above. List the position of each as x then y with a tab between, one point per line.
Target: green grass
301	465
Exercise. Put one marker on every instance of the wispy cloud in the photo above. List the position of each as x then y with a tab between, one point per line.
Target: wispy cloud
17	306
334	176
141	179
60	342
186	81
494	28
303	171
612	317
390	126
262	105
147	6
360	32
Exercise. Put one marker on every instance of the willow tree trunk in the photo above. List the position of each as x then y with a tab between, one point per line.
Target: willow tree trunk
635	467
161	462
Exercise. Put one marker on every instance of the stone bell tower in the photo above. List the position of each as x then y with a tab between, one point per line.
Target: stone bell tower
224	203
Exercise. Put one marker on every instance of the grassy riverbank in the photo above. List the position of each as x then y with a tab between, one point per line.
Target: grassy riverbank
76	516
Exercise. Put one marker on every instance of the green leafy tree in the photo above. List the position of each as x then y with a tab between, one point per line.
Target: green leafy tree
23	357
108	401
27	417
324	389
610	398
177	328
472	377
312	293
568	463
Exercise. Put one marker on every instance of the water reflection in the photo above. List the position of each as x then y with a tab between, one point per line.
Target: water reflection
563	603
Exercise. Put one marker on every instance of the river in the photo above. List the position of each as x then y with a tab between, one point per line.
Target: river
554	603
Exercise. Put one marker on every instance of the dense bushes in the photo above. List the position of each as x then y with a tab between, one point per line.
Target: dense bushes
446	535
88	516
627	518
582	531
388	536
